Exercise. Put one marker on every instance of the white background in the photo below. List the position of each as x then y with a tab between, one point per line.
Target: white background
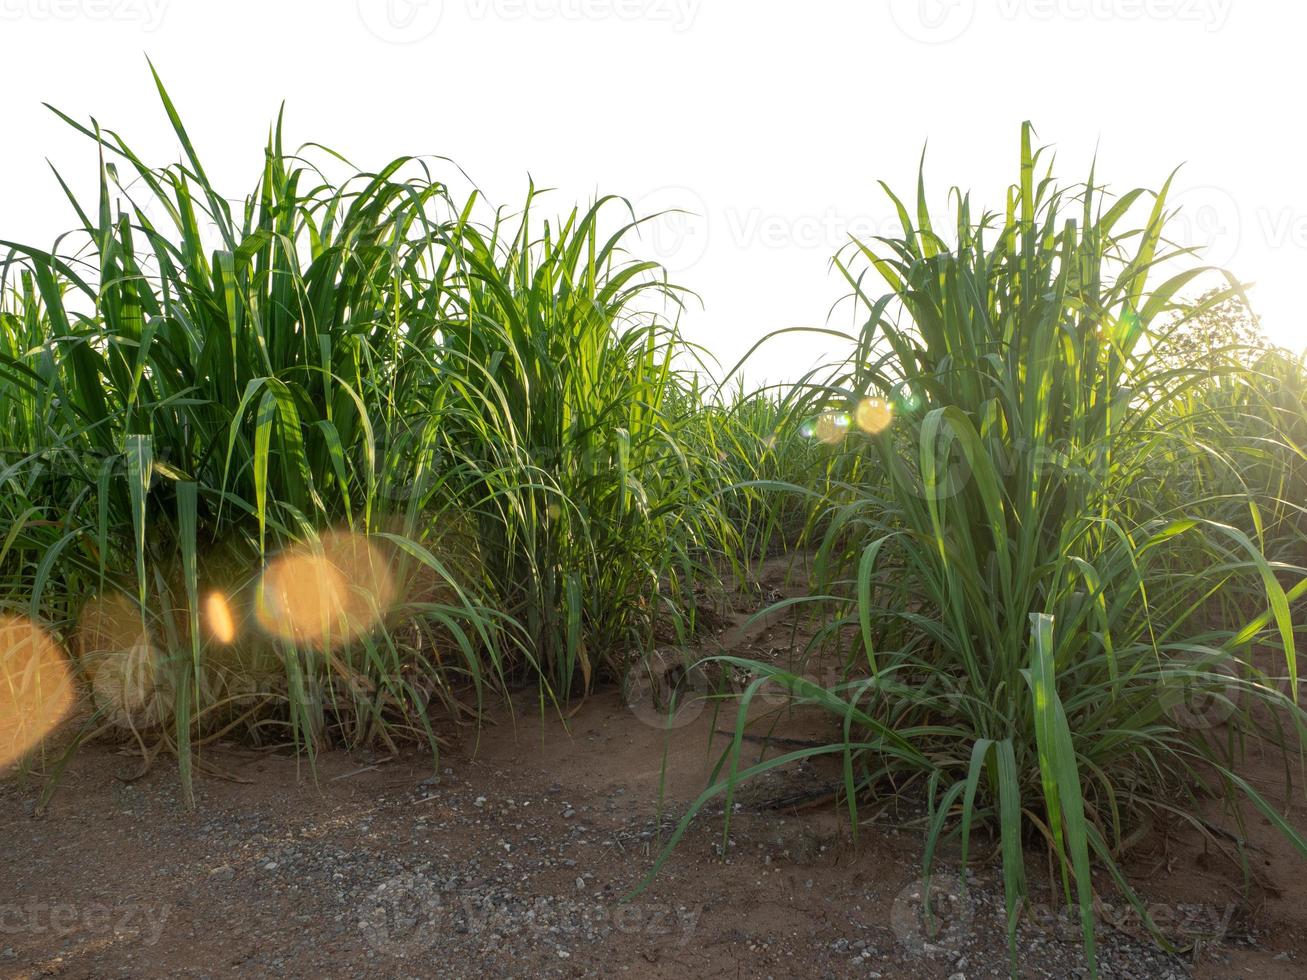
771	121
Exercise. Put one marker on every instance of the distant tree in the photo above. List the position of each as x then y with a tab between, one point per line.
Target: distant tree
1226	333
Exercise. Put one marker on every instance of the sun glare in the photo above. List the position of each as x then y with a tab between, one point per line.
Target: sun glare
874	415
325	593
36	687
219	619
832	427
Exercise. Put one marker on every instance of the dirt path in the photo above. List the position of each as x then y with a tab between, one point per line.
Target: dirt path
513	860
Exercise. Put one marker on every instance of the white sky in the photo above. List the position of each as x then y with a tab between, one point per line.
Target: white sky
771	120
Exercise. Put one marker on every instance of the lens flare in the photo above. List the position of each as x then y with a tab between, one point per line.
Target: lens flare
218	618
832	427
36	687
325	593
874	415
909	400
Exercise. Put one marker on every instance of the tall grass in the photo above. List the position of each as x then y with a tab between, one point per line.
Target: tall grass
572	423
770	470
469	432
1038	587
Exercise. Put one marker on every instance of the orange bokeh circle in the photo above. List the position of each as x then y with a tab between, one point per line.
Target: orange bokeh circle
36	687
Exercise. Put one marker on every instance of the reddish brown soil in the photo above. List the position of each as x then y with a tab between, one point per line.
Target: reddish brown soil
515	859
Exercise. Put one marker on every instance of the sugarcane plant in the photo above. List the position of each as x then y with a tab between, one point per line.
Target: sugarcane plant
1054	619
